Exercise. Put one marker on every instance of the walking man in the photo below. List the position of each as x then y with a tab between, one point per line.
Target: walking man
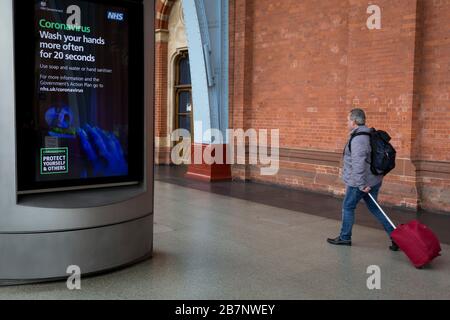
359	180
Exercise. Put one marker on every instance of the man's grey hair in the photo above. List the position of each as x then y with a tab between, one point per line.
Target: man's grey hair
358	116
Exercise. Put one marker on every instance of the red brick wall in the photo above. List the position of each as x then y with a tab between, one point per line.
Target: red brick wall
240	70
381	69
163	9
433	116
161	90
299	71
301	66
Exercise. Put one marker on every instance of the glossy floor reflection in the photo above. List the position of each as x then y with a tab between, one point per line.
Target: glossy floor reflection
210	246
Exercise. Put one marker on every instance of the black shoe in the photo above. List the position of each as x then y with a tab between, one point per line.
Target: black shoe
394	246
339	241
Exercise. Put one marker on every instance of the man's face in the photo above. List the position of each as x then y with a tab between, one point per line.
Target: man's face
350	123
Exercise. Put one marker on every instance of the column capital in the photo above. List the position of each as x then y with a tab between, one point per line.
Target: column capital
162	35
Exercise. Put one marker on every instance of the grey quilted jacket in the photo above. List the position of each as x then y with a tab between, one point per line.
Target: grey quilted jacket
356	170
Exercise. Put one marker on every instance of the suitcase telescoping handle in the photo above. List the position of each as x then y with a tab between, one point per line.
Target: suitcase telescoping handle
393	225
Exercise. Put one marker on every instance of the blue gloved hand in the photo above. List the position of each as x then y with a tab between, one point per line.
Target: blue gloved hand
59	121
103	151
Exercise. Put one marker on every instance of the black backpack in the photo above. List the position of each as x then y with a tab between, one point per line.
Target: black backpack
383	153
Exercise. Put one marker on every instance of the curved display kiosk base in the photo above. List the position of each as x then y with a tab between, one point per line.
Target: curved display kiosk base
41	257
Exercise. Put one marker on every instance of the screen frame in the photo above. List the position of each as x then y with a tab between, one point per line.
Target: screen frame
24	56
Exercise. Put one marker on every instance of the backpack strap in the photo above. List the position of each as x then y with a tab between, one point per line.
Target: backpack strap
355	135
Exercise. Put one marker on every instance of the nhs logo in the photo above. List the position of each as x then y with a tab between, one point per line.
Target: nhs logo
115	16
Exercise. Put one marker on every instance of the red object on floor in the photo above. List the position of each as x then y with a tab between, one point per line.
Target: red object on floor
418	242
415	239
208	172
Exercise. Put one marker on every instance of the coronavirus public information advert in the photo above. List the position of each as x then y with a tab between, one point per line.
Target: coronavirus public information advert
81	81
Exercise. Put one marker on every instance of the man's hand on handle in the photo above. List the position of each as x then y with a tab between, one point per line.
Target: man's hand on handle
366	189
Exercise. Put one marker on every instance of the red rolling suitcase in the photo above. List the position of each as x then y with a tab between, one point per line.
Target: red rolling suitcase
416	240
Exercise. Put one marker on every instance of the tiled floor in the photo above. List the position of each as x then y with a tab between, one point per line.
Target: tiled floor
212	246
302	201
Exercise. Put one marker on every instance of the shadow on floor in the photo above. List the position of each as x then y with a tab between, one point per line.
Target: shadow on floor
326	206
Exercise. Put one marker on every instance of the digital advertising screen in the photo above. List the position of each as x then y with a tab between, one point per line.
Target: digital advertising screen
79	93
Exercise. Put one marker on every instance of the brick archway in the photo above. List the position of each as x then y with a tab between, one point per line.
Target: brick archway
163	10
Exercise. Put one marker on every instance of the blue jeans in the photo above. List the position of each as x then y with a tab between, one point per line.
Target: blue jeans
352	196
